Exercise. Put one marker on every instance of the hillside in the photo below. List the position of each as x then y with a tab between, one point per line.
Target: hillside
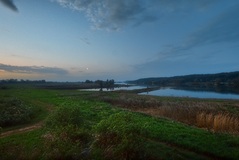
226	80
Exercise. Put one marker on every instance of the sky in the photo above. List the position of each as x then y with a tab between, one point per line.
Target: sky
76	40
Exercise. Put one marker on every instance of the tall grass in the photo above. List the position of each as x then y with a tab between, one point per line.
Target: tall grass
214	116
203	118
220	122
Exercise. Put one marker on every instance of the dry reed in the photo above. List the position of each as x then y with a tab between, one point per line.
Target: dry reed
219	122
210	115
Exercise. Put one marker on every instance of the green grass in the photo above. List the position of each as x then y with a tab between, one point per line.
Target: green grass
79	125
215	115
22	146
24	105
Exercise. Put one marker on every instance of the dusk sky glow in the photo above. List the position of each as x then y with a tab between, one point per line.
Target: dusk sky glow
75	40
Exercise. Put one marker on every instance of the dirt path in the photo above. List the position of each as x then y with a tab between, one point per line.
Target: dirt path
21	130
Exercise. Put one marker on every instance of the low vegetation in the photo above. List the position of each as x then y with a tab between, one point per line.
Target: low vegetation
120	137
101	125
220	122
14	111
216	116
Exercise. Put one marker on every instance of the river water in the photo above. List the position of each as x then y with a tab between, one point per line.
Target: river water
115	89
167	91
195	94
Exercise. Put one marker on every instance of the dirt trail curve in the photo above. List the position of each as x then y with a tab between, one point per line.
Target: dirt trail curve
21	130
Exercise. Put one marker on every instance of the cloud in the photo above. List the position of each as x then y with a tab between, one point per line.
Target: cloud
109	14
85	40
9	4
115	14
33	69
221	29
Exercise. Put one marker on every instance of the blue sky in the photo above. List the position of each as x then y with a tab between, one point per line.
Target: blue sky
75	40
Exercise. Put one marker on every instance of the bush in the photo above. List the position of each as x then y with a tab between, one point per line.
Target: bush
66	137
66	142
64	115
14	111
119	137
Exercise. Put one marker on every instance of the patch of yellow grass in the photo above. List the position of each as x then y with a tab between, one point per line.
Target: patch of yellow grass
204	114
220	122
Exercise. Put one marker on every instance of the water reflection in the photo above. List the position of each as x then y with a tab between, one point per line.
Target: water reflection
115	88
177	92
189	93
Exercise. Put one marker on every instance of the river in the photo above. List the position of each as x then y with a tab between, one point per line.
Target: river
130	87
167	91
195	94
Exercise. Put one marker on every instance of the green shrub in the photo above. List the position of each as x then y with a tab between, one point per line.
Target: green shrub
119	137
66	137
66	142
65	115
14	111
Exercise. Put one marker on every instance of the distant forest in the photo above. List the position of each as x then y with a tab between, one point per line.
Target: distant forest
223	81
61	85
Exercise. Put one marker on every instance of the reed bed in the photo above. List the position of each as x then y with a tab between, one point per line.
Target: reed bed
211	115
220	122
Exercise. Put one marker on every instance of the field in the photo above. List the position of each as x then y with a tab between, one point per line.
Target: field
70	124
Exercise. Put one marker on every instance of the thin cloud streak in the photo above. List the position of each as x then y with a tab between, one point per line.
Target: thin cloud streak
167	6
33	69
222	30
9	4
85	40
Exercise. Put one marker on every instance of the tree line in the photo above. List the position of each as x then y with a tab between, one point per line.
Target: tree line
228	79
61	85
13	81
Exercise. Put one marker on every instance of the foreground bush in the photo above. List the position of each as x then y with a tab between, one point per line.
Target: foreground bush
14	111
65	137
119	137
66	142
65	115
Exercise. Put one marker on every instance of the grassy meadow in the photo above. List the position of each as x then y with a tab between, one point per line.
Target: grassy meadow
115	125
